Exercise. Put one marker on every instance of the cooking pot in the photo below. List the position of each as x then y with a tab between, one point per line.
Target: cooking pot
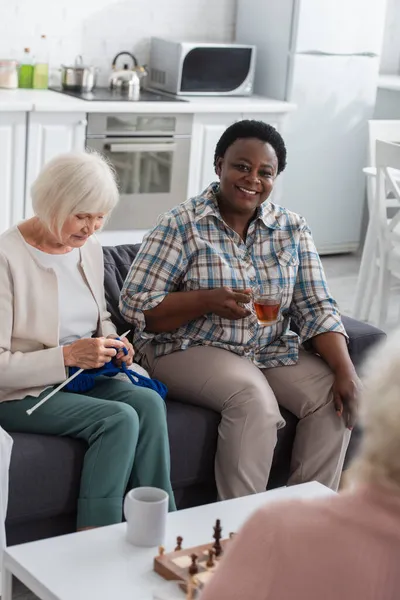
79	77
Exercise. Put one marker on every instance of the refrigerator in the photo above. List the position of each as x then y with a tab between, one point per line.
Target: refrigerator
322	55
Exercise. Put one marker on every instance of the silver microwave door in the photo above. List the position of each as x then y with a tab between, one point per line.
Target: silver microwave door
217	70
151	174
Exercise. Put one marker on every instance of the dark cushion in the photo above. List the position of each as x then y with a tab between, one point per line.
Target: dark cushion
44	476
117	262
193	433
362	338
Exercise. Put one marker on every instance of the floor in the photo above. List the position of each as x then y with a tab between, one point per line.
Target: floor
341	272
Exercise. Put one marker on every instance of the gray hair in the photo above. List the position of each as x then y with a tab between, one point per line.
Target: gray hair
379	458
73	183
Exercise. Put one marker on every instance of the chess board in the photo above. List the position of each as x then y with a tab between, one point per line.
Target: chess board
175	565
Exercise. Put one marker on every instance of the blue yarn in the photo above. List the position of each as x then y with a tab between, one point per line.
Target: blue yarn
86	380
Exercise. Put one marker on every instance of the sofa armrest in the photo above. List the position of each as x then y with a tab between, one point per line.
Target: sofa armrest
362	337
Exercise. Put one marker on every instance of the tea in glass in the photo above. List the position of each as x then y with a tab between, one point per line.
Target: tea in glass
267	303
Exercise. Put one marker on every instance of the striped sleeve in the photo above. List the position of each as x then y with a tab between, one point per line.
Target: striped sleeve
313	309
155	272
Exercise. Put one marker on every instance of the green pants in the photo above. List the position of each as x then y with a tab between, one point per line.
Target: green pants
126	431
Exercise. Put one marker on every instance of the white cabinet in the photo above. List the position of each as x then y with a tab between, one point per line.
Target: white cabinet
12	167
50	134
207	129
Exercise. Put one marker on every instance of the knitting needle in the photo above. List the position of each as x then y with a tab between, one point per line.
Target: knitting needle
63	384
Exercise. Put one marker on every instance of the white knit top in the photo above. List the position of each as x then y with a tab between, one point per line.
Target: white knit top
78	311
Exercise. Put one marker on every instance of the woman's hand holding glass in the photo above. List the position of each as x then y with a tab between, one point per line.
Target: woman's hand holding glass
226	303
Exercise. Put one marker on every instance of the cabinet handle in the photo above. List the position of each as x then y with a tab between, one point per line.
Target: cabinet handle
82	122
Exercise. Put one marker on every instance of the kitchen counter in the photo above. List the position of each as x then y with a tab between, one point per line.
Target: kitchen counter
49	101
389	82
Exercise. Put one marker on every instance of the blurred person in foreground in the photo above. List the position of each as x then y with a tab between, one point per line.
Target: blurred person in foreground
343	547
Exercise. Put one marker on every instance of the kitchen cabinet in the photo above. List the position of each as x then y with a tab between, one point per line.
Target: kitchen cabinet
207	129
50	134
12	167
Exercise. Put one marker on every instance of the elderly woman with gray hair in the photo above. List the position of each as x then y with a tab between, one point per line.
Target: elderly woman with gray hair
345	547
54	316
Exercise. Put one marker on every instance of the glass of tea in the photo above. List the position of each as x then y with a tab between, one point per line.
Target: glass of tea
267	303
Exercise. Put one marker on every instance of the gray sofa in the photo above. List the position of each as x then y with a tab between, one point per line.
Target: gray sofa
45	470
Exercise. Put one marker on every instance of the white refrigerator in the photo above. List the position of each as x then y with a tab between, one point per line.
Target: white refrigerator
323	55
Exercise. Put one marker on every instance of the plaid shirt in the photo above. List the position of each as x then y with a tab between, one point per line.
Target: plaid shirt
191	248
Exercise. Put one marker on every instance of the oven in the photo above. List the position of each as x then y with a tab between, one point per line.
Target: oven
150	154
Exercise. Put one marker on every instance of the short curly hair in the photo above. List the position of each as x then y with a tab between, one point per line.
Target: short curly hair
252	129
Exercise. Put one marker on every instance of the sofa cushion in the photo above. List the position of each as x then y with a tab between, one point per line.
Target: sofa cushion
193	433
44	476
362	338
117	262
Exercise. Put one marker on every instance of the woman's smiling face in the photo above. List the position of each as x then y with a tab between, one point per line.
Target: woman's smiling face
247	174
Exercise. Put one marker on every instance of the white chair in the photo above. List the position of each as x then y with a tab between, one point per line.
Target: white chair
381	254
387	131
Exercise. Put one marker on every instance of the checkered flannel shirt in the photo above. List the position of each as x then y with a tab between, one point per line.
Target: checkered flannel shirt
191	248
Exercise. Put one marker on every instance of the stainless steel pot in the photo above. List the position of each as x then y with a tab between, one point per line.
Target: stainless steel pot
78	77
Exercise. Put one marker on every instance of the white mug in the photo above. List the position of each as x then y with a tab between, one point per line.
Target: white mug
145	510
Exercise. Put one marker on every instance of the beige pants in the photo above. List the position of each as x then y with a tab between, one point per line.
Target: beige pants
247	398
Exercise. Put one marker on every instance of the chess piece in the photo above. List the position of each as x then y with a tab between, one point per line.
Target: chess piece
193	569
217	537
232	535
161	550
179	541
191	588
210	561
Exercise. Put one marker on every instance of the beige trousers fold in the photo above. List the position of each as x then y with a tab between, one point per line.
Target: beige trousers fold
247	398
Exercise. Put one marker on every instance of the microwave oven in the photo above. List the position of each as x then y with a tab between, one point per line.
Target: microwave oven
205	69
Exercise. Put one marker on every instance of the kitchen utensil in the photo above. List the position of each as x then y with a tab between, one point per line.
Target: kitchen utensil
79	77
8	74
127	82
122	74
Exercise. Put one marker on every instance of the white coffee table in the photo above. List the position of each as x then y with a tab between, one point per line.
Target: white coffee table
99	564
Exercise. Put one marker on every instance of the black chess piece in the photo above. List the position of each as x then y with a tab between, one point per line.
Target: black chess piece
193	569
210	561
179	541
217	537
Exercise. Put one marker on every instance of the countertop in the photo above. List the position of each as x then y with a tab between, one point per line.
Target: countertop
49	101
389	82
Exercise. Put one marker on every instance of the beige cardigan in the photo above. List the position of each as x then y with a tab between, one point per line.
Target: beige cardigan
31	358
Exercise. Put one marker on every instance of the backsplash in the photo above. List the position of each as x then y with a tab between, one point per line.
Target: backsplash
99	29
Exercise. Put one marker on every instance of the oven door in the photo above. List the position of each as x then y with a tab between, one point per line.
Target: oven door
152	177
